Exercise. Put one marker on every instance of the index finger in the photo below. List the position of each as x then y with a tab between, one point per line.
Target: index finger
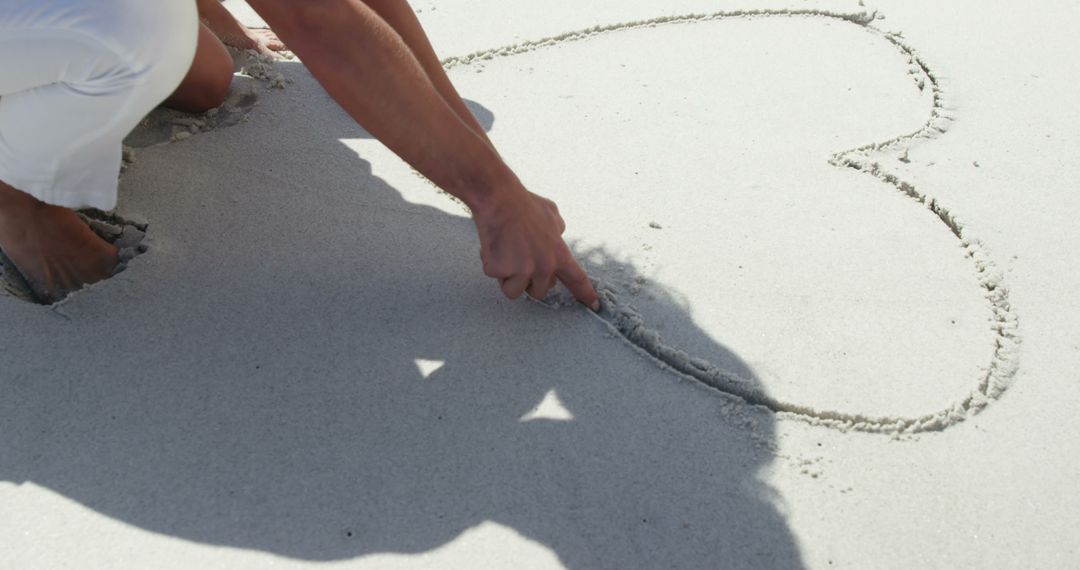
573	276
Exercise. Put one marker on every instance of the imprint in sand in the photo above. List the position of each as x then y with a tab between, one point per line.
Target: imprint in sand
856	308
165	125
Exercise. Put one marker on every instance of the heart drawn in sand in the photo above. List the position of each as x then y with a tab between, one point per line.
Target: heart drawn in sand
860	300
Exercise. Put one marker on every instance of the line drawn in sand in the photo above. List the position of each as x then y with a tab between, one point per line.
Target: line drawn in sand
632	327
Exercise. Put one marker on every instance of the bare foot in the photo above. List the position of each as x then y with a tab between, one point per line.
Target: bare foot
262	40
232	33
53	249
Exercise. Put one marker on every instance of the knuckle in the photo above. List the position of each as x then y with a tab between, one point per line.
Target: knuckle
544	268
492	270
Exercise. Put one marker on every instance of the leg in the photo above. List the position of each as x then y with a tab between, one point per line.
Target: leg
207	82
77	86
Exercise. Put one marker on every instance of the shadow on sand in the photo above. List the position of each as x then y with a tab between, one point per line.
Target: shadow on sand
253	381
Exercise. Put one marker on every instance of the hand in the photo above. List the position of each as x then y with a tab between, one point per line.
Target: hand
521	245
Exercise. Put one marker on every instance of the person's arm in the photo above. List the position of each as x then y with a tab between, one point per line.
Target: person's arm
232	33
403	19
370	71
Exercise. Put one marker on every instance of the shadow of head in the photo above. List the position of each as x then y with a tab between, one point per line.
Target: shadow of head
316	368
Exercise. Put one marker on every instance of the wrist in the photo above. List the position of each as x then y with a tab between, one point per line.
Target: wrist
488	186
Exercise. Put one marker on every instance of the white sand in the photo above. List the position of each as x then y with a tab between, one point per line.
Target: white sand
308	366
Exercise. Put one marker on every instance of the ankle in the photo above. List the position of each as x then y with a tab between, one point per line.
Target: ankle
16	202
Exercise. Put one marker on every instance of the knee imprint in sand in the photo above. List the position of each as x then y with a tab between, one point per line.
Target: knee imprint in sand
255	73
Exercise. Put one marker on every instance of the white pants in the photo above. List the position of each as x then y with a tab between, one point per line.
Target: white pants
75	77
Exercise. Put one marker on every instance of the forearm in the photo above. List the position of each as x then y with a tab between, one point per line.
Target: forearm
370	71
400	15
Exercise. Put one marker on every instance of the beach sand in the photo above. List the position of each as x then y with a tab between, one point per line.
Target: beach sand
833	241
